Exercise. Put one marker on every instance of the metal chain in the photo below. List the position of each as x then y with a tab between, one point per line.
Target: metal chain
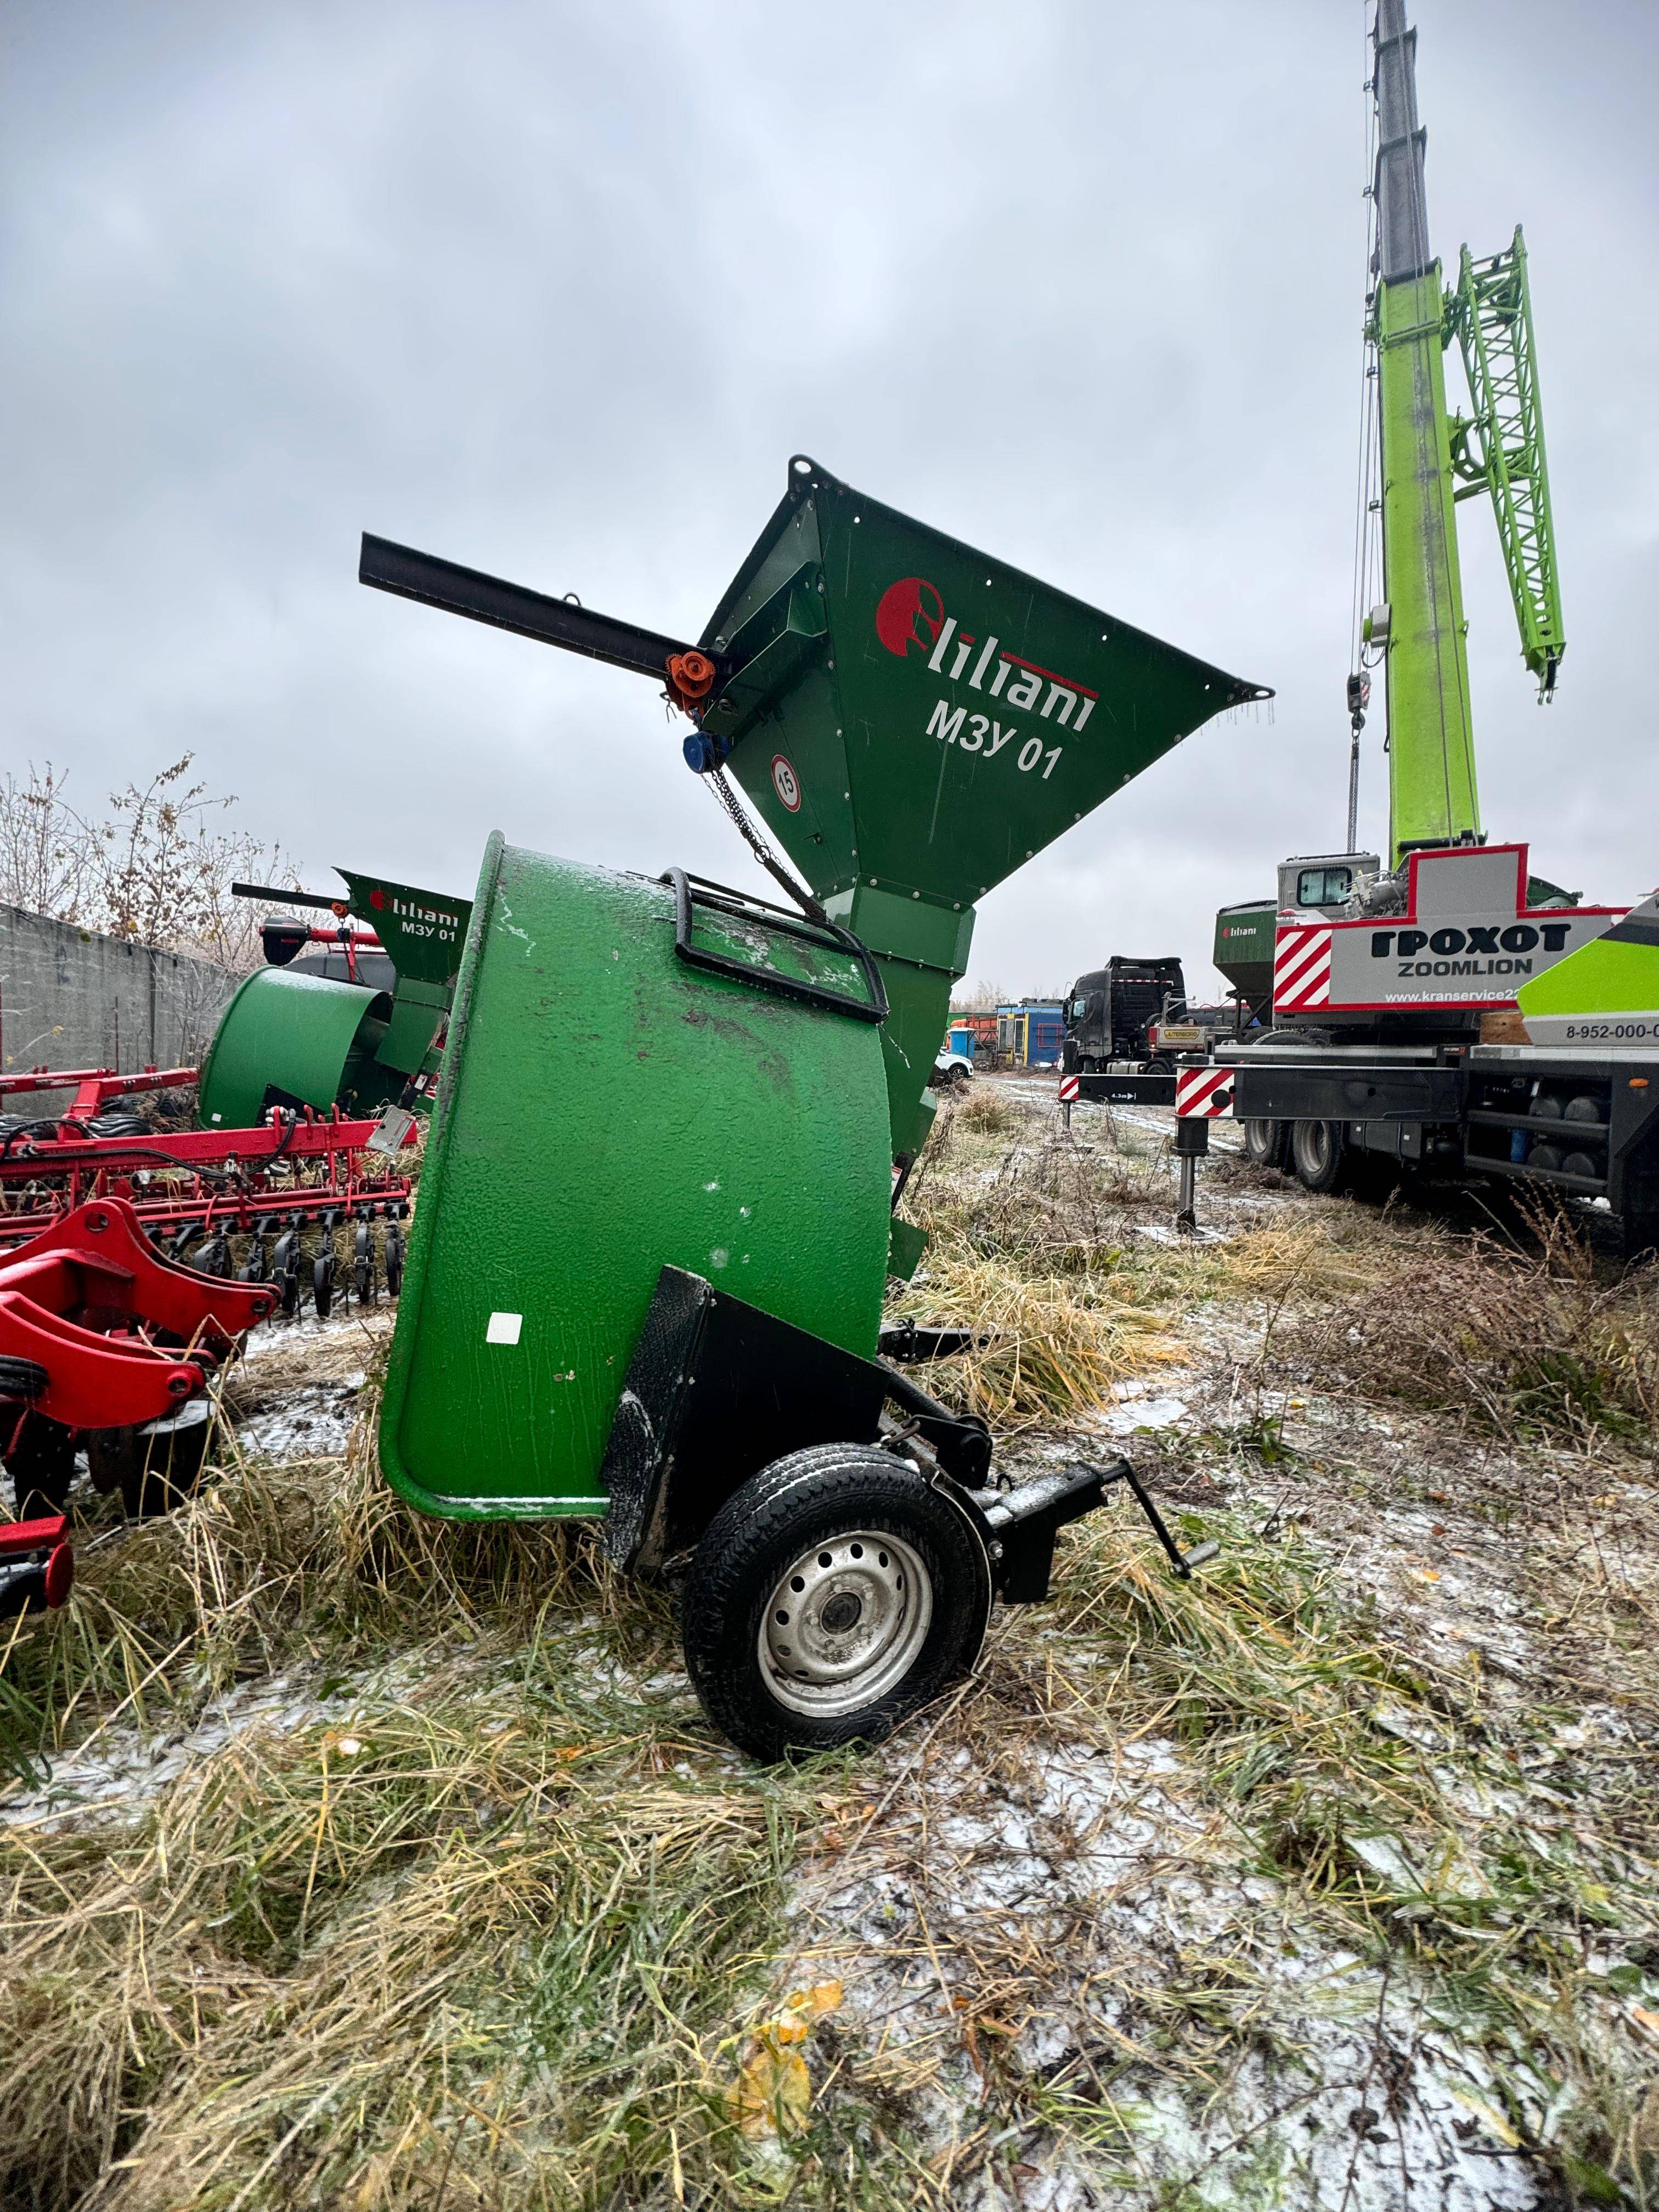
716	778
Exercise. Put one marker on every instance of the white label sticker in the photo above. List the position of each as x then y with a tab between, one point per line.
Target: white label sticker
503	1328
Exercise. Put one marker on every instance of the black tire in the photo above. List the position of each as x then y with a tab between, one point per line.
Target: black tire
113	1457
164	1471
1316	1151
22	1378
394	1260
41	1460
1546	1156
830	1496
322	1283
1264	1144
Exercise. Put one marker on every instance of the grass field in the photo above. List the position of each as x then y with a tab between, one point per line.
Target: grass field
351	1860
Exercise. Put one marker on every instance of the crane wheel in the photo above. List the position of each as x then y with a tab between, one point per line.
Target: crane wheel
1264	1144
1318	1155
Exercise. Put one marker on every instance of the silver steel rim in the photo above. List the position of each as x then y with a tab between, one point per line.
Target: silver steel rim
845	1623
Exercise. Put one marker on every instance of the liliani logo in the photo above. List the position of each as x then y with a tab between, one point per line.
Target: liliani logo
910	618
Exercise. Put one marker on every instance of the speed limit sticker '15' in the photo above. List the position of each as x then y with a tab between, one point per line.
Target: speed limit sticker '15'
786	783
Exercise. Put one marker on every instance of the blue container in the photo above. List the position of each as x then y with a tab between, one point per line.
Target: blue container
1039	1032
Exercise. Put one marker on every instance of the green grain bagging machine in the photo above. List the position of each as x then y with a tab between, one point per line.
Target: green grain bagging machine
646	1277
290	1038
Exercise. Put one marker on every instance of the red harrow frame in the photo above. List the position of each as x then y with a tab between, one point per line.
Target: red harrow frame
201	1187
107	1340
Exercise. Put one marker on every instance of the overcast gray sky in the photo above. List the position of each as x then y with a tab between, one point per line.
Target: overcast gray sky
557	289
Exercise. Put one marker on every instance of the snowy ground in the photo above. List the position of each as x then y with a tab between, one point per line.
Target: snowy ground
1072	1972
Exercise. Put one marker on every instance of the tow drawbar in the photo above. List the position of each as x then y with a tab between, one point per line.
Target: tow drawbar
1022	1524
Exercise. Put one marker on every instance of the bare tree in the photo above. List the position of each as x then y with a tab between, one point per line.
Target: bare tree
44	848
153	871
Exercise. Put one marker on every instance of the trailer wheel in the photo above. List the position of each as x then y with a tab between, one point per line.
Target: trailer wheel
322	1280
1316	1154
1264	1142
832	1595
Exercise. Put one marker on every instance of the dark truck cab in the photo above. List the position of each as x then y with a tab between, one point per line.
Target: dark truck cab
1108	1010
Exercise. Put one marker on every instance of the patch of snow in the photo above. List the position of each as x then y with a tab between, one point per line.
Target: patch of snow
314	1423
1340	2092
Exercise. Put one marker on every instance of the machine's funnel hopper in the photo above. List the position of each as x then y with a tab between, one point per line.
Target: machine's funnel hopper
914	721
912	716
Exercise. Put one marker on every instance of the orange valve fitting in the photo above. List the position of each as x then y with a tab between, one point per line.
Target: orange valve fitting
690	677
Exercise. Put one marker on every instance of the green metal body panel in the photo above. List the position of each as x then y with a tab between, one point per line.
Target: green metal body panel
417	1012
605	1111
1243	950
914	720
302	1036
1431	780
1606	993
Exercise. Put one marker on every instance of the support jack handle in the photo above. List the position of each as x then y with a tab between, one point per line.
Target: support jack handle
1182	1562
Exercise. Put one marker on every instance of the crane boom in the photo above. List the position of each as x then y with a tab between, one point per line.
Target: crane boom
1501	450
1432	794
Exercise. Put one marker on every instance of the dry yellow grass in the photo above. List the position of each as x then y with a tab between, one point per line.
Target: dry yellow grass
1050	1345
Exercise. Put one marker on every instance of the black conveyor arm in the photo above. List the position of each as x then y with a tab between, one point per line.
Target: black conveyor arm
457	591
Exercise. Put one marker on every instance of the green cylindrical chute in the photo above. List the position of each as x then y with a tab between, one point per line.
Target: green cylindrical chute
296	1039
611	1105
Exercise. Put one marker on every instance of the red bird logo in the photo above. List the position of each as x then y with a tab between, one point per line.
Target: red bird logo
377	898
911	613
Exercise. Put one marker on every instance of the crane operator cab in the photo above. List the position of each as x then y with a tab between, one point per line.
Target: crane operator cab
1319	884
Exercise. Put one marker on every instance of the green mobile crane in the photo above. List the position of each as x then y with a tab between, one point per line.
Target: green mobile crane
1447	1009
1433	459
1311	956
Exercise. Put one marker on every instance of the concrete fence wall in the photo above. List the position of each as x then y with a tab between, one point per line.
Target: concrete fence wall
71	999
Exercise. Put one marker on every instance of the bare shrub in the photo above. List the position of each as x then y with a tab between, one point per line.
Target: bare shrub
45	855
1536	1343
153	870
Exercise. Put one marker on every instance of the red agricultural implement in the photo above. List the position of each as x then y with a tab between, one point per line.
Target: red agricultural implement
195	1189
104	1342
37	1566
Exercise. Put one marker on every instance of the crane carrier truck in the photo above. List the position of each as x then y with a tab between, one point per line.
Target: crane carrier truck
1449	1010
